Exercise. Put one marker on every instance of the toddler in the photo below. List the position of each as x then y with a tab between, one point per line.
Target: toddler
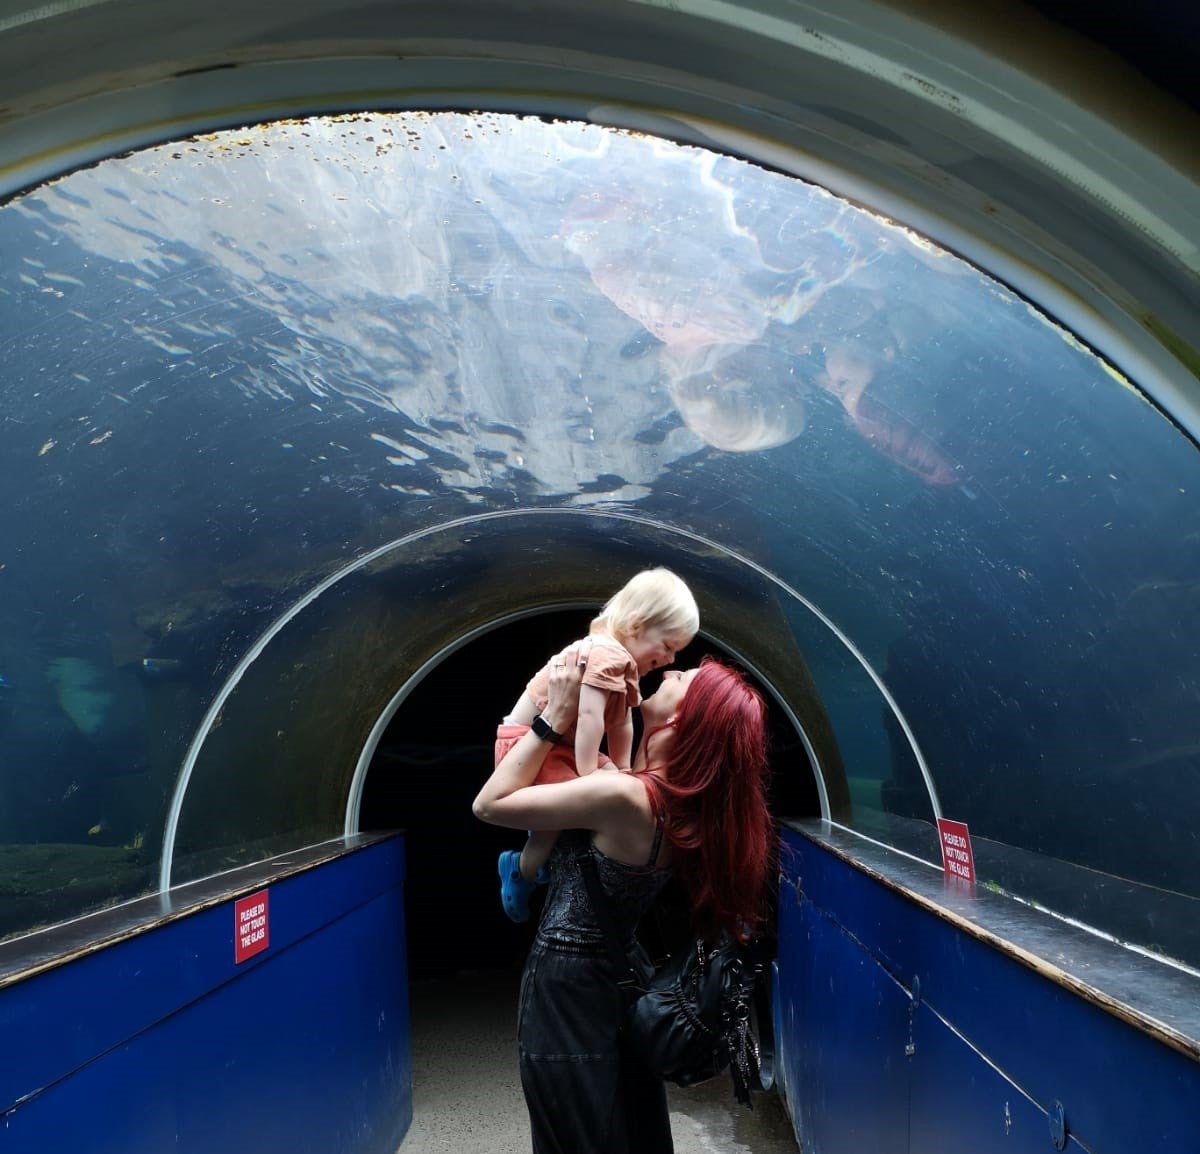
642	627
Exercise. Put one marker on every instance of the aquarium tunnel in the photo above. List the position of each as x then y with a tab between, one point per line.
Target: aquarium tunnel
353	355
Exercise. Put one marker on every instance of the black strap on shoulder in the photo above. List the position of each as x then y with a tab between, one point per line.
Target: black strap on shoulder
658	836
627	980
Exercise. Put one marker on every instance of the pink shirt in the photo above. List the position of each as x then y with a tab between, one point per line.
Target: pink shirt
610	667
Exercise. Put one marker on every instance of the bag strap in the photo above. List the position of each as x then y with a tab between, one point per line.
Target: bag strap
627	980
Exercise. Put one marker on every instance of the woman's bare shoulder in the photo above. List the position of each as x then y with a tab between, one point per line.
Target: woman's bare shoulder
621	784
615	798
625	832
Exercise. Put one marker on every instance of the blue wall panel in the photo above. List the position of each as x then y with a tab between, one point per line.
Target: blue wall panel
1112	1078
843	1029
989	1033
962	1103
1020	1021
304	1047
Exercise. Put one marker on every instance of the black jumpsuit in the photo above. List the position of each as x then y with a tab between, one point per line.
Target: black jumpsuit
585	1093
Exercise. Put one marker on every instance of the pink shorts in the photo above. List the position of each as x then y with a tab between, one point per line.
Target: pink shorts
560	761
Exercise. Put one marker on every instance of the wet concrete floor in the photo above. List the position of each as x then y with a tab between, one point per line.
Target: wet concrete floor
467	1093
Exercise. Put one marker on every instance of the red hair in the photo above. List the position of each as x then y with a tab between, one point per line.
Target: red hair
712	799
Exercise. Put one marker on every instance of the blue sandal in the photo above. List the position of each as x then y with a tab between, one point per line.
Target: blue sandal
514	889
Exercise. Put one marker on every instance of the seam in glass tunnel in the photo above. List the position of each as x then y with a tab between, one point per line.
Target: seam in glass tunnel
255	650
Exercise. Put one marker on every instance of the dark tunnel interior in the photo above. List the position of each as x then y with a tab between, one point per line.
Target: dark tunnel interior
436	753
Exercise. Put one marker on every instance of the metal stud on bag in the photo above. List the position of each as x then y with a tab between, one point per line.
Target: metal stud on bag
741	1046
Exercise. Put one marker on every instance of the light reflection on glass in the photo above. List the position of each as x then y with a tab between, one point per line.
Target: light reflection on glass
235	363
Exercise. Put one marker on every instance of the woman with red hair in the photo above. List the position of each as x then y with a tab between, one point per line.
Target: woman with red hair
693	806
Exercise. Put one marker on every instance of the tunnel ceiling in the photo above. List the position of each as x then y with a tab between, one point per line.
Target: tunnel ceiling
290	407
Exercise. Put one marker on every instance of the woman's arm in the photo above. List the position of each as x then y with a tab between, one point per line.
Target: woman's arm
601	802
520	765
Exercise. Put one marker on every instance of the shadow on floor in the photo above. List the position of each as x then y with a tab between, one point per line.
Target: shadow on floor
467	1095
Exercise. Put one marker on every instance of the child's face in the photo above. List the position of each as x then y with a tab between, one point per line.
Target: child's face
653	647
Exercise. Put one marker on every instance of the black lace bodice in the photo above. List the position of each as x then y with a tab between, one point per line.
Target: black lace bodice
567	916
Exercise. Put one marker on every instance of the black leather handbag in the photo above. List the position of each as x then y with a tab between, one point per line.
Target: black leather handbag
693	1017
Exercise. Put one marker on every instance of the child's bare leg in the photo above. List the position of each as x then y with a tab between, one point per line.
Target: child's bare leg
537	852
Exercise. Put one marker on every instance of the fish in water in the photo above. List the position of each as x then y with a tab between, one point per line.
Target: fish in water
699	262
680	274
742	399
713	279
82	691
901	441
849	371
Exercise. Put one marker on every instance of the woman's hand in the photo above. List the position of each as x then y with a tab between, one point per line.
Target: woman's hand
566	676
521	763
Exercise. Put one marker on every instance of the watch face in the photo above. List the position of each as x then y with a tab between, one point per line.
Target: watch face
542	729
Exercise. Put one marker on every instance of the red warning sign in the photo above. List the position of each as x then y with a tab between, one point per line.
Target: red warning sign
958	861
250	927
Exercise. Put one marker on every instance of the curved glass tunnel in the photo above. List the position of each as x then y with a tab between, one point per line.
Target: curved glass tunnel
291	411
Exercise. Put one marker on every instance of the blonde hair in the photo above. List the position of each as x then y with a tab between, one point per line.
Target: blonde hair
655	598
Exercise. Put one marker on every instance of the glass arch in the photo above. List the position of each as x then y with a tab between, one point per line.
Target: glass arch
239	362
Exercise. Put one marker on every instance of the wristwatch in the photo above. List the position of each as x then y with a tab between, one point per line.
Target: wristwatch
542	729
